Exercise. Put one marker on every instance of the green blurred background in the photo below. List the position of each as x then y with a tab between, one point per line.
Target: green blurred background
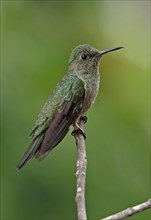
36	40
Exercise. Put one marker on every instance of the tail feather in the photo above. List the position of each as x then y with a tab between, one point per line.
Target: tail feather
31	151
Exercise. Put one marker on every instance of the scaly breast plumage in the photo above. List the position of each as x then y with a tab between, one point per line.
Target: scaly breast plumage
91	91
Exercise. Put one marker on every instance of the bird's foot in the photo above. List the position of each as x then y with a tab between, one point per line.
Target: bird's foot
84	118
79	131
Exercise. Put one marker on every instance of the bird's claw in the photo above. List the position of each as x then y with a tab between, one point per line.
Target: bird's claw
79	131
84	118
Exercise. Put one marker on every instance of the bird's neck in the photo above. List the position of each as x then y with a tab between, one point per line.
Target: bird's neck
85	75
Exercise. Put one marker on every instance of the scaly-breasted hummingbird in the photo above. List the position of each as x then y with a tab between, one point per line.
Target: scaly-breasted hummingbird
70	100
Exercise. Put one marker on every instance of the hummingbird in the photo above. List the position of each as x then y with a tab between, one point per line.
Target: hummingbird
70	100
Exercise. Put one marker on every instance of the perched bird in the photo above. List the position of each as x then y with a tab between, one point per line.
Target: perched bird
70	100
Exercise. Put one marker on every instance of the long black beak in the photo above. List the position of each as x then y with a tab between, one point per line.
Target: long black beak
109	50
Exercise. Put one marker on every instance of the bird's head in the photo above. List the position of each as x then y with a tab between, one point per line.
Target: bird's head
85	58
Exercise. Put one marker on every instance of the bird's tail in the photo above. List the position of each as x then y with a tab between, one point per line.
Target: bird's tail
31	151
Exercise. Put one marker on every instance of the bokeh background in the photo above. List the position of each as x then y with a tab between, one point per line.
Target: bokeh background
36	40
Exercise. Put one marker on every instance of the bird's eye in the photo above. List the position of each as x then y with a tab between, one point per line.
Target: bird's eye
83	57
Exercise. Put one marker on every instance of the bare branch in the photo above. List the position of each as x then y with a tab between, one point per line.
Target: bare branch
81	173
130	211
81	180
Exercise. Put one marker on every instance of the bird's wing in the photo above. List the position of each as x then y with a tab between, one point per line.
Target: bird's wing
66	113
53	123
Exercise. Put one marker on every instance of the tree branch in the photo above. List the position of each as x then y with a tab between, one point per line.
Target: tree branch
81	173
81	180
130	211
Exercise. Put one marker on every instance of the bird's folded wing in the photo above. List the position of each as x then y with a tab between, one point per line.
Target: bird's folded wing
64	116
